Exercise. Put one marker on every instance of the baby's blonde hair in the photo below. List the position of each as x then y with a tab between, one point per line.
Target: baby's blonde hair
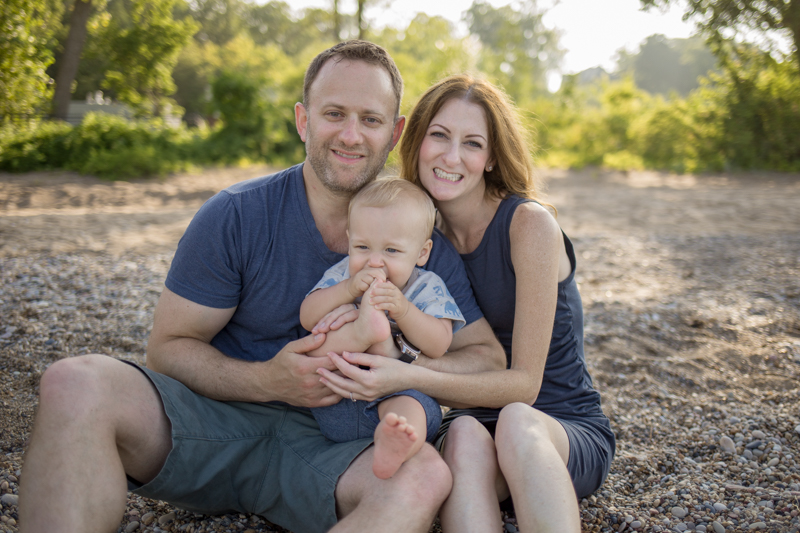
385	191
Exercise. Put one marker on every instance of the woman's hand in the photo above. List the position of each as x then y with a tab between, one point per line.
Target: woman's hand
382	376
336	319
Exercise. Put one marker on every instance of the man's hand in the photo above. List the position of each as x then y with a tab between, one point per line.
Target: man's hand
387	297
358	284
293	378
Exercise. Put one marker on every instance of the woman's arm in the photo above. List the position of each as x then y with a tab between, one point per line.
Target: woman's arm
536	245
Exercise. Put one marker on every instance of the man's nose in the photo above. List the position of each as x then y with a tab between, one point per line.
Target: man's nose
351	132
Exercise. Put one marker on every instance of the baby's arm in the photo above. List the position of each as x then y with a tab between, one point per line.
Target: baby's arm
430	334
322	301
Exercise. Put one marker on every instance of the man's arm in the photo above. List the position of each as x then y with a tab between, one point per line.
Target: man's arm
179	347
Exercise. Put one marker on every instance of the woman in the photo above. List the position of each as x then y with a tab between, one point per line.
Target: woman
463	144
542	437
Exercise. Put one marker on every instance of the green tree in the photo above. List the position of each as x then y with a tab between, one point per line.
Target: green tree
142	56
665	65
517	50
715	17
25	30
426	51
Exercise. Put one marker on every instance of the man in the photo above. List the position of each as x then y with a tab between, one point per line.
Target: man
195	428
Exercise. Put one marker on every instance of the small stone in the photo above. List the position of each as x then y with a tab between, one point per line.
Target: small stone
13	479
166	519
718	528
133	526
757	525
701	528
510	528
678	512
680	526
772	462
636	524
148	518
754	444
720	507
9	499
4	485
727	445
797	429
250	530
759	434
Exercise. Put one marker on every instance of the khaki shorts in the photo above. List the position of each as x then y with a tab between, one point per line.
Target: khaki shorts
266	459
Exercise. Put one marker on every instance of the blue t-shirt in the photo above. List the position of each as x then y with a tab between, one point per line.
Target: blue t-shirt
255	246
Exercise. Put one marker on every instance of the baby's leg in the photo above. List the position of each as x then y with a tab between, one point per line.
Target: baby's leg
400	434
371	328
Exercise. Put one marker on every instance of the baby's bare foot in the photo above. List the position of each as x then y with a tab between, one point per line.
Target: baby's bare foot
371	326
394	437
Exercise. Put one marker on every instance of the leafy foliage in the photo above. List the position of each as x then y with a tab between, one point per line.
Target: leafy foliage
718	18
517	49
26	27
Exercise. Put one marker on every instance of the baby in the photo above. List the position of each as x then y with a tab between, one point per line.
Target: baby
390	222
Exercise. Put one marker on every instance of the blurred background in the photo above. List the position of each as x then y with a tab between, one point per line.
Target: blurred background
128	88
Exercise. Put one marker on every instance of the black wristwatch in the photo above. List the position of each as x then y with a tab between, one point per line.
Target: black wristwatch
408	352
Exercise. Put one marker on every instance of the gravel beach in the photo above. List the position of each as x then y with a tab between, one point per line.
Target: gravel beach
691	288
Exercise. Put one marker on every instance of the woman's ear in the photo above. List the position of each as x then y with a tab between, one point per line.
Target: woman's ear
425	253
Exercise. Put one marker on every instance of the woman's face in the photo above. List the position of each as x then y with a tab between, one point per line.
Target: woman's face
455	151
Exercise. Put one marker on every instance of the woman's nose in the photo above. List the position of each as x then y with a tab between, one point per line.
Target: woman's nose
452	156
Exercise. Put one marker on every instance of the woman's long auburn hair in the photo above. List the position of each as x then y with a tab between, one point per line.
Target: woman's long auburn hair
513	165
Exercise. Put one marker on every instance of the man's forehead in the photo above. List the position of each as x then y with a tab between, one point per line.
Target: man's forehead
342	79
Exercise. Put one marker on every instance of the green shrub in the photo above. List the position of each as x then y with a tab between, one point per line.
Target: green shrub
35	146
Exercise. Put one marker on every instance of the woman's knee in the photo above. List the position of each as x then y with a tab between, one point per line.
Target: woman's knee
520	424
468	443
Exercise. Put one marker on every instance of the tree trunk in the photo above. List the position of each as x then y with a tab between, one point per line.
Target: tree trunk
70	60
791	20
337	30
360	19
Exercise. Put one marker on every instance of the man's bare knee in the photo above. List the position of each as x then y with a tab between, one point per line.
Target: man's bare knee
426	478
71	381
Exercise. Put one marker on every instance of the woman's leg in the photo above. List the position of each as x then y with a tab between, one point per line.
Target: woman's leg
533	450
478	485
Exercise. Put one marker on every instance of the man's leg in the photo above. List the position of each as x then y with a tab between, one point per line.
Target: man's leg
405	503
98	418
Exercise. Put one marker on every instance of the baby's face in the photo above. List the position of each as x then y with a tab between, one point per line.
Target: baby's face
390	238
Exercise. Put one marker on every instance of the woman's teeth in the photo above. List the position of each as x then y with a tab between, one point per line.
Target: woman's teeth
446	175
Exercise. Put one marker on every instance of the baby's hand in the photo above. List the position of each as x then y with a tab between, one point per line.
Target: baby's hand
387	297
359	283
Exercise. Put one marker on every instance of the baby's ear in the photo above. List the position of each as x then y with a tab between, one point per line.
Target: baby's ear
425	253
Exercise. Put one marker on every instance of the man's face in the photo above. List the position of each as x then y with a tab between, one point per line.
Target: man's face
349	127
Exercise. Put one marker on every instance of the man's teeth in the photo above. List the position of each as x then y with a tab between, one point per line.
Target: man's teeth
446	175
346	156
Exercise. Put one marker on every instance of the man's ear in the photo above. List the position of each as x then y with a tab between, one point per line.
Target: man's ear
398	130
425	253
301	120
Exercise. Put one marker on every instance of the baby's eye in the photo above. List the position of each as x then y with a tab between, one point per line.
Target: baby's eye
392	250
360	247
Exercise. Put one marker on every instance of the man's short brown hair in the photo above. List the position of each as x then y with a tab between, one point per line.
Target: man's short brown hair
356	50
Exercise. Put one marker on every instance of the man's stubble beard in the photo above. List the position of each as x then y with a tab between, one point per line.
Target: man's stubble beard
326	174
